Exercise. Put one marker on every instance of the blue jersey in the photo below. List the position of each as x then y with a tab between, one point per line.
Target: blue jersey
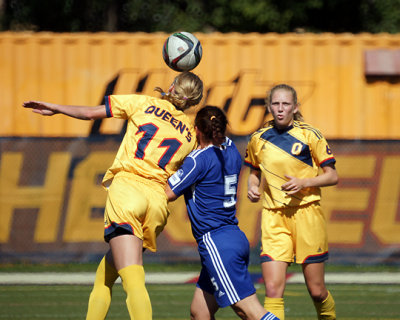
208	179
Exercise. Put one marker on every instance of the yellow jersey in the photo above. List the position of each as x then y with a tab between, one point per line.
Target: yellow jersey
298	151
157	139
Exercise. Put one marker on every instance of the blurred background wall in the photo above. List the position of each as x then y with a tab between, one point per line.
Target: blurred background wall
51	201
348	84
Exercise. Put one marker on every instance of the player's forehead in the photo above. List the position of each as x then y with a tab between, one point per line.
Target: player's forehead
282	95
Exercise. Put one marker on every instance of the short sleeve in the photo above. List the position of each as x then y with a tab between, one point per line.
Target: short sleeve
321	151
123	106
191	171
250	158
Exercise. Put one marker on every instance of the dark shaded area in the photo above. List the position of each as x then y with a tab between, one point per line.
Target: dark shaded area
262	16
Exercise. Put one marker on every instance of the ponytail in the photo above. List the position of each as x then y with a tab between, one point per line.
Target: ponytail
212	122
187	91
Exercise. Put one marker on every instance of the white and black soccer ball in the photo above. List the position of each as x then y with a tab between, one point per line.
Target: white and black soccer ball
182	51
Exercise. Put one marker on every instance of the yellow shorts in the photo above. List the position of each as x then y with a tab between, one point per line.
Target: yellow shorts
294	234
135	206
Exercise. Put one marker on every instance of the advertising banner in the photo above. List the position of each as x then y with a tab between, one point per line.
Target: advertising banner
52	202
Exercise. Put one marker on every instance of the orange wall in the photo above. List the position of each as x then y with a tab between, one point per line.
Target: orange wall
327	70
52	203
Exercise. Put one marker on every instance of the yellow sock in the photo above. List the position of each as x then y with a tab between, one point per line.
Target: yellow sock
275	306
138	300
326	308
100	297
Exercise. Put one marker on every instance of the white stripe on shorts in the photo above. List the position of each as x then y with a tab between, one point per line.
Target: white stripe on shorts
219	267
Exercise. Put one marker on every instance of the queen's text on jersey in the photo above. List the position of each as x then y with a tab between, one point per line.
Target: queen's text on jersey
167	116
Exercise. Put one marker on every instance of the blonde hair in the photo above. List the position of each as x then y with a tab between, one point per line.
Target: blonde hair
188	91
297	116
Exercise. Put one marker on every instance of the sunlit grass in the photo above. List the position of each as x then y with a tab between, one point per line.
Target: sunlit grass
173	302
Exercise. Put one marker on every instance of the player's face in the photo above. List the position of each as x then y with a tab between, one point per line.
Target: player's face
282	108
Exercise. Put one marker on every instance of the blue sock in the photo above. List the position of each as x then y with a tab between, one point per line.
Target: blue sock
269	316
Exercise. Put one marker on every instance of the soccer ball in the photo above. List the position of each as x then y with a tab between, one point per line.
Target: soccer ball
182	51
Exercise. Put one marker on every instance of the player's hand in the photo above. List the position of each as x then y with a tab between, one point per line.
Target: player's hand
43	108
254	194
292	186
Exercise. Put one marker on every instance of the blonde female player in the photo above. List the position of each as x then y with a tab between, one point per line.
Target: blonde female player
158	137
289	154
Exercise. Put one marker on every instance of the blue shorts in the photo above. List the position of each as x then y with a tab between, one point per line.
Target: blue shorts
224	257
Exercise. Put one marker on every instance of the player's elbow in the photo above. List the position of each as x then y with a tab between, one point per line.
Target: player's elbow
91	117
331	175
94	113
334	179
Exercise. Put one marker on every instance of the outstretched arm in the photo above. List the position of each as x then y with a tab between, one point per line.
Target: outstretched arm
329	177
78	112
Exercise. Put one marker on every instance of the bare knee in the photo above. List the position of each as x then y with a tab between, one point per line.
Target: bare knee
239	312
318	293
249	308
274	289
274	274
314	277
200	314
204	306
193	315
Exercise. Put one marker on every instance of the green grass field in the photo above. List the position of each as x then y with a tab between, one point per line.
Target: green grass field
367	301
172	302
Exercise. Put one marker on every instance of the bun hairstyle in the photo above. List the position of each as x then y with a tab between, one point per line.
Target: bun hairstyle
187	91
297	116
212	122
